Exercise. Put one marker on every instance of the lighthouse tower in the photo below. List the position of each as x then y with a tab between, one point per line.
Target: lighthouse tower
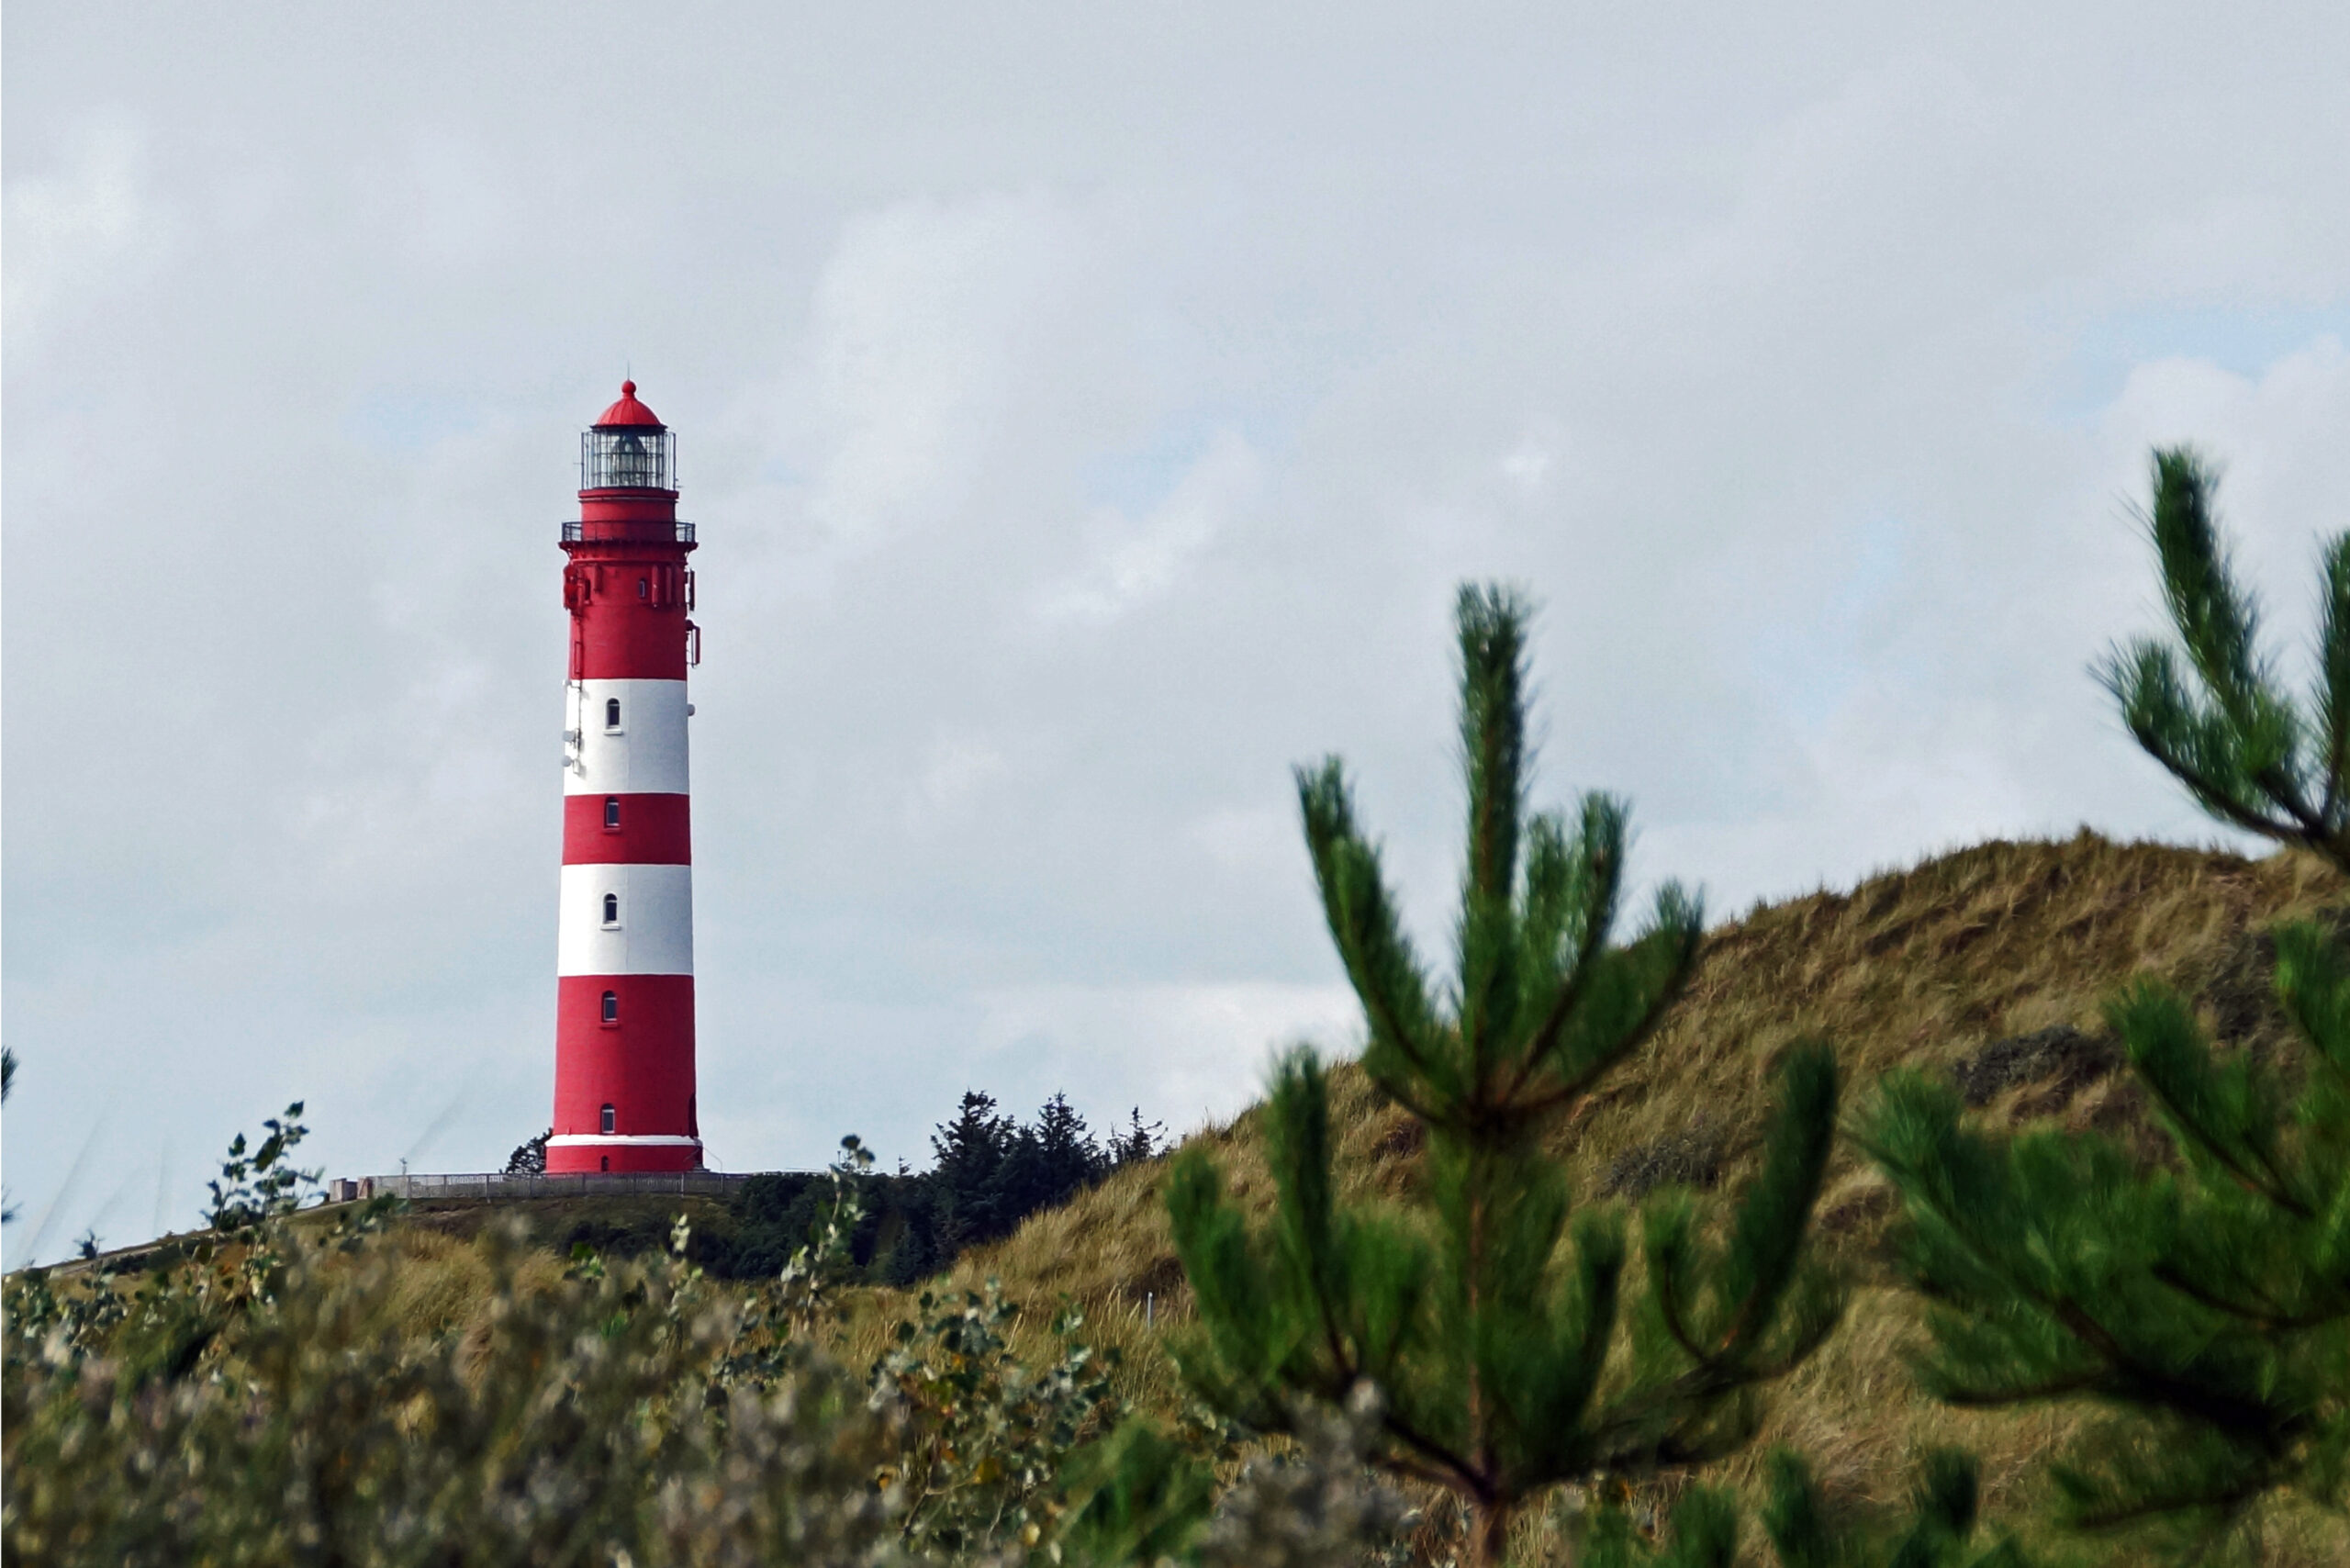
624	1013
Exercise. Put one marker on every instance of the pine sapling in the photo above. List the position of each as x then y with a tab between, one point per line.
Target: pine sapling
1490	1317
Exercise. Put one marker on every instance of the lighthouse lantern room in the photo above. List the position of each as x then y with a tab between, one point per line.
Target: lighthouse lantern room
624	1011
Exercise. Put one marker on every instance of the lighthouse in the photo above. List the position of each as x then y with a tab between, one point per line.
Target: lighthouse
624	948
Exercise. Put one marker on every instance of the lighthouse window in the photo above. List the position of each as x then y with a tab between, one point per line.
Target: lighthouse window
611	909
643	589
611	1120
611	1007
612	712
611	810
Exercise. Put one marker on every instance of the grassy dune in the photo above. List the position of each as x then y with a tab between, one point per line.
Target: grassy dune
1977	962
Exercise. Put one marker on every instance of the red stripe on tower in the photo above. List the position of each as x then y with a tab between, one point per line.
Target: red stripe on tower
626	830
624	947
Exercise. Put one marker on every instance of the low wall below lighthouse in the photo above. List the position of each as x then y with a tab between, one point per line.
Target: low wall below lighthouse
625	1089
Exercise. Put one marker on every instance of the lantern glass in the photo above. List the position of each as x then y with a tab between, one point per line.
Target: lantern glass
628	458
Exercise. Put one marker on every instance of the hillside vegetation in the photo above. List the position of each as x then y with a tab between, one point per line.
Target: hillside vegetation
1990	964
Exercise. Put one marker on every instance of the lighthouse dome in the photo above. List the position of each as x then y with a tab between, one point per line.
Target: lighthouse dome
627	412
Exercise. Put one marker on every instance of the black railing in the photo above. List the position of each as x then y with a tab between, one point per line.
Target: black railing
576	531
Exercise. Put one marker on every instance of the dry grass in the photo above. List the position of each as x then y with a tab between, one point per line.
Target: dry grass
1925	966
445	1283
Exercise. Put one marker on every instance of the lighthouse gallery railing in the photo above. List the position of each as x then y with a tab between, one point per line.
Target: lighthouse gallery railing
575	531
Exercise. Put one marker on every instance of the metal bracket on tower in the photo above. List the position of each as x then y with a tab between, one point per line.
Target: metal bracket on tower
574	749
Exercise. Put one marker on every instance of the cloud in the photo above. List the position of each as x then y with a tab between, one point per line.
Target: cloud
1131	562
1257	839
72	231
956	769
1528	465
1202	1049
928	319
1085	425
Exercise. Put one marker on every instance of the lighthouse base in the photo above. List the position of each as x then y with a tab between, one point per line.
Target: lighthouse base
624	1075
587	1153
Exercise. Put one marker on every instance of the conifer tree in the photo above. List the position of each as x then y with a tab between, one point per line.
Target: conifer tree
970	1152
2202	1308
1489	1319
529	1156
1049	1163
1137	1141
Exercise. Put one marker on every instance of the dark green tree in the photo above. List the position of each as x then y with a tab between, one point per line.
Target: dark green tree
1489	1317
1046	1164
2201	1308
529	1157
1137	1141
913	1255
969	1153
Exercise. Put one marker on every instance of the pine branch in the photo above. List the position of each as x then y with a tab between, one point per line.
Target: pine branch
1598	854
1492	740
1361	917
1767	1239
2172	1060
2269	1316
2216	620
2333	680
2195	746
1298	1133
1675	941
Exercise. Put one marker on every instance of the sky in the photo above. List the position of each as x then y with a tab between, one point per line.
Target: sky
1089	412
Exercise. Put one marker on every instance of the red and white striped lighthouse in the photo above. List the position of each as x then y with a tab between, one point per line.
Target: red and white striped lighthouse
624	1013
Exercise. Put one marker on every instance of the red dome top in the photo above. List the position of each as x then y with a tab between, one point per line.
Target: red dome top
628	411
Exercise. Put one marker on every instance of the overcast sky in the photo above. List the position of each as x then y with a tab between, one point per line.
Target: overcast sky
1089	412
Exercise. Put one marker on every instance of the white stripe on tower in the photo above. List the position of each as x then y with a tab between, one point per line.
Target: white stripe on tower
632	738
626	920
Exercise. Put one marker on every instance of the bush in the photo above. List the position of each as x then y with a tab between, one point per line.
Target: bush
262	1404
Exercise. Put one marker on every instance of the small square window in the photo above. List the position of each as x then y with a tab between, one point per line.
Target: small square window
611	810
610	1121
